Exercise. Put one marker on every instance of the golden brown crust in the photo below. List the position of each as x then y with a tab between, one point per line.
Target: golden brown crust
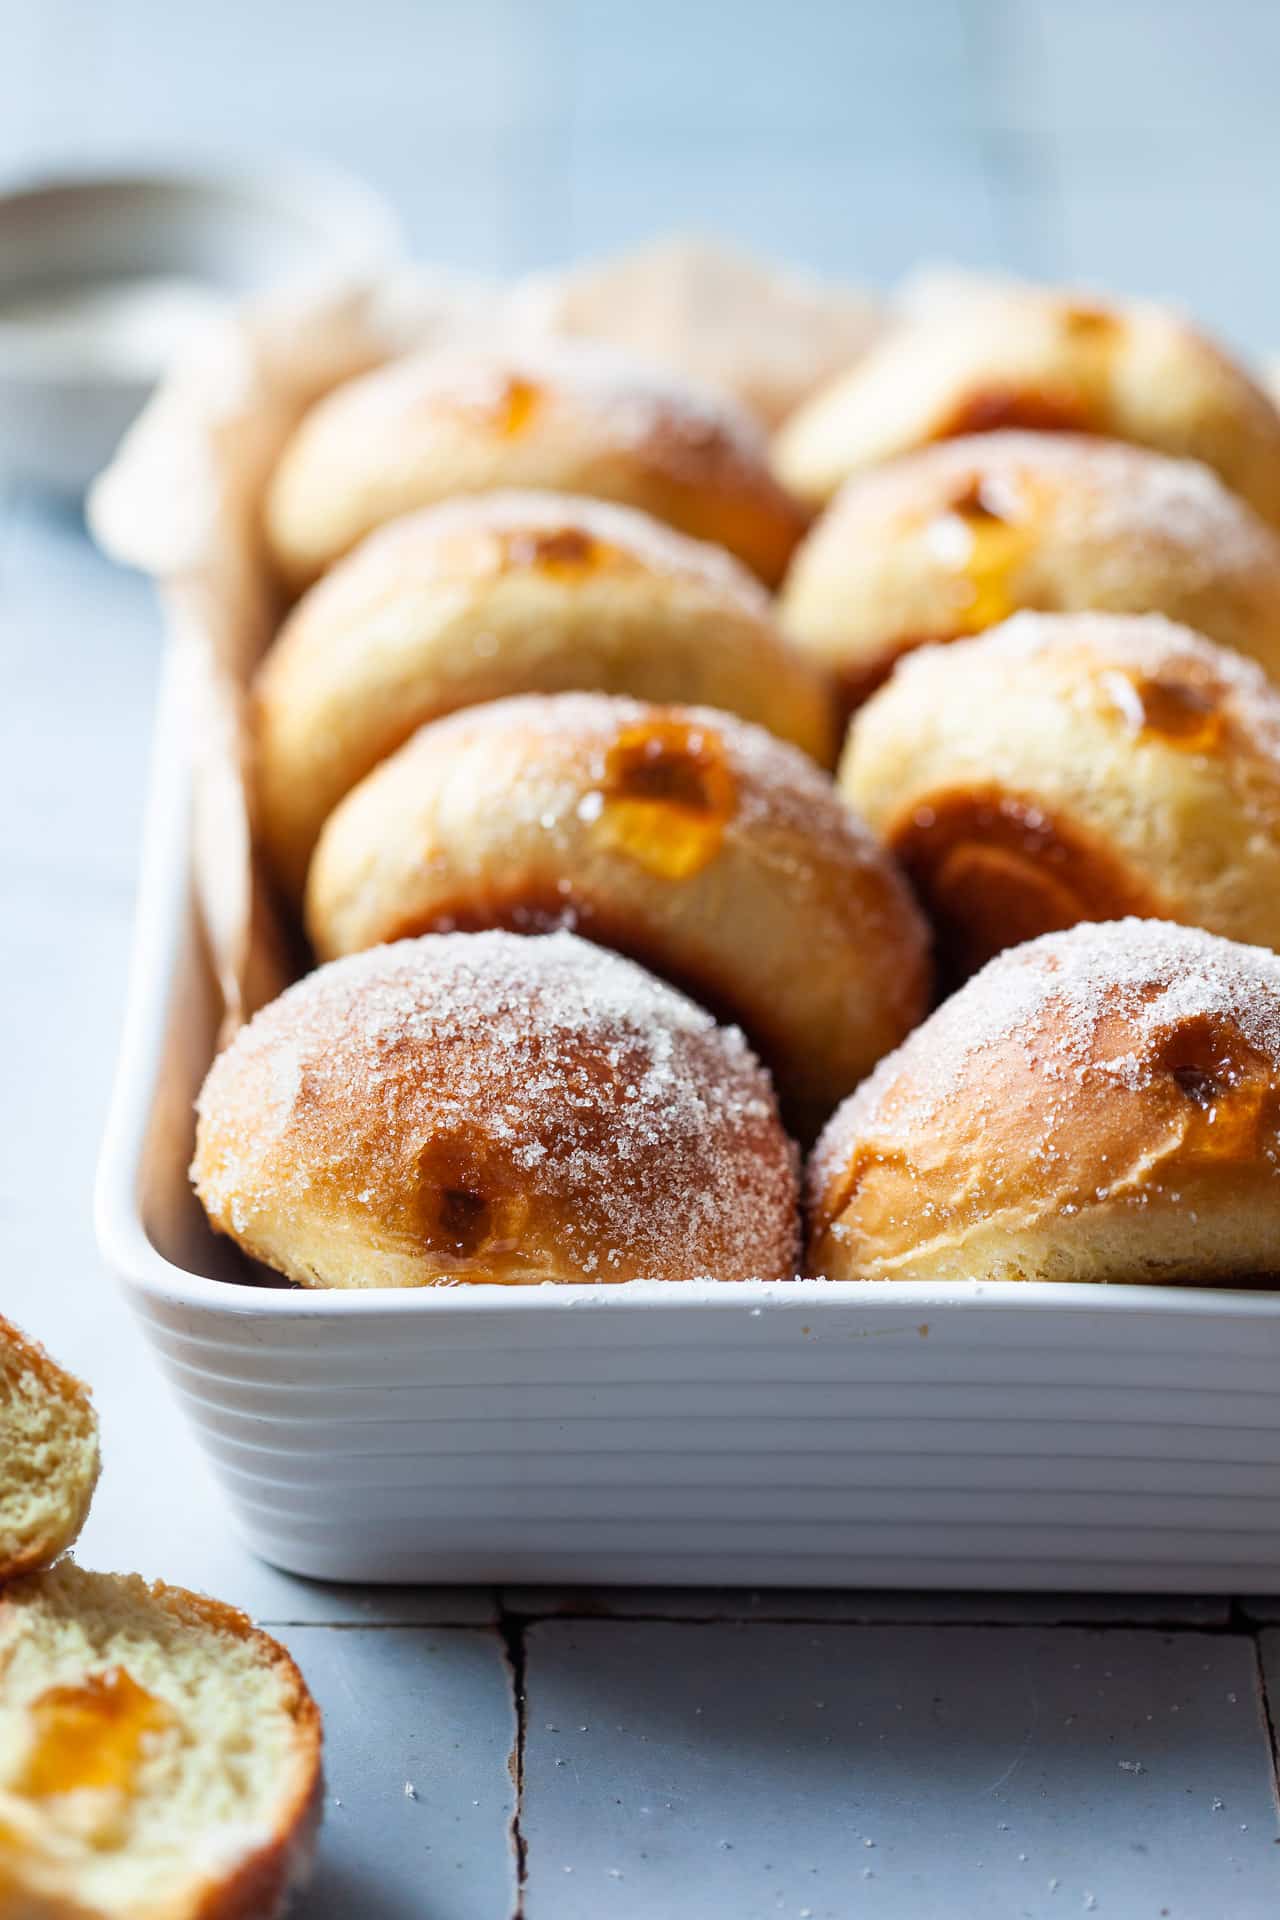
261	1887
682	837
571	417
1068	767
948	541
1038	358
1101	1105
481	1107
28	1356
509	593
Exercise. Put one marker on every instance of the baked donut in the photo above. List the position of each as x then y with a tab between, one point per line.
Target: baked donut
49	1456
567	416
1076	767
160	1757
1101	1104
768	333
508	593
1020	356
481	1107
695	843
956	537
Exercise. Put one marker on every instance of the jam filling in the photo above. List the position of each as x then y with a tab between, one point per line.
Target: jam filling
665	798
984	534
1159	707
93	1735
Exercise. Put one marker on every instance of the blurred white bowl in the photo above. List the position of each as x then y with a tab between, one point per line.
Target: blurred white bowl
104	278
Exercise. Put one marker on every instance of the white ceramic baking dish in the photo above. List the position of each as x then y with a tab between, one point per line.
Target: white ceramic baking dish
812	1433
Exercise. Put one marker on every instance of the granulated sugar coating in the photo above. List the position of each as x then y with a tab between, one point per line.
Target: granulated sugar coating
1146	643
573	416
1094	490
492	1107
1122	653
478	535
1143	978
1098	1104
635	397
775	783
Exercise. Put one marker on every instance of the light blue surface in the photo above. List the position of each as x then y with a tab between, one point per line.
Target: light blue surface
922	1771
1113	141
1123	142
419	1773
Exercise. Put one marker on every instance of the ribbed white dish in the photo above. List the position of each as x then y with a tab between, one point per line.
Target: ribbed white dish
804	1434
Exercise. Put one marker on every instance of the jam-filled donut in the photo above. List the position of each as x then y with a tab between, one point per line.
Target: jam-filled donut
1076	767
508	593
769	334
1101	1104
698	844
952	539
482	1107
567	416
1035	357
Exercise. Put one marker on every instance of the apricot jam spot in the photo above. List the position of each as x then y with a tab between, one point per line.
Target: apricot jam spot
1082	322
666	796
93	1735
517	405
463	1219
1160	708
983	535
1232	1106
565	552
1198	1085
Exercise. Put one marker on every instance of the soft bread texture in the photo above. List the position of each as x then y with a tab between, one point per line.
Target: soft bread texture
1097	1105
1048	360
485	1107
950	540
159	1758
766	333
693	842
567	416
48	1455
501	594
1076	767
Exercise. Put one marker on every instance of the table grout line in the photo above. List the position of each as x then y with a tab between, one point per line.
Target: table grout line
1222	1629
1236	1623
511	1631
1269	1717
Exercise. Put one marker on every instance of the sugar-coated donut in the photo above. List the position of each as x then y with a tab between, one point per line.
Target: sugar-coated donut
1101	1104
567	416
1046	359
486	1107
508	593
768	333
1076	767
693	842
958	536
